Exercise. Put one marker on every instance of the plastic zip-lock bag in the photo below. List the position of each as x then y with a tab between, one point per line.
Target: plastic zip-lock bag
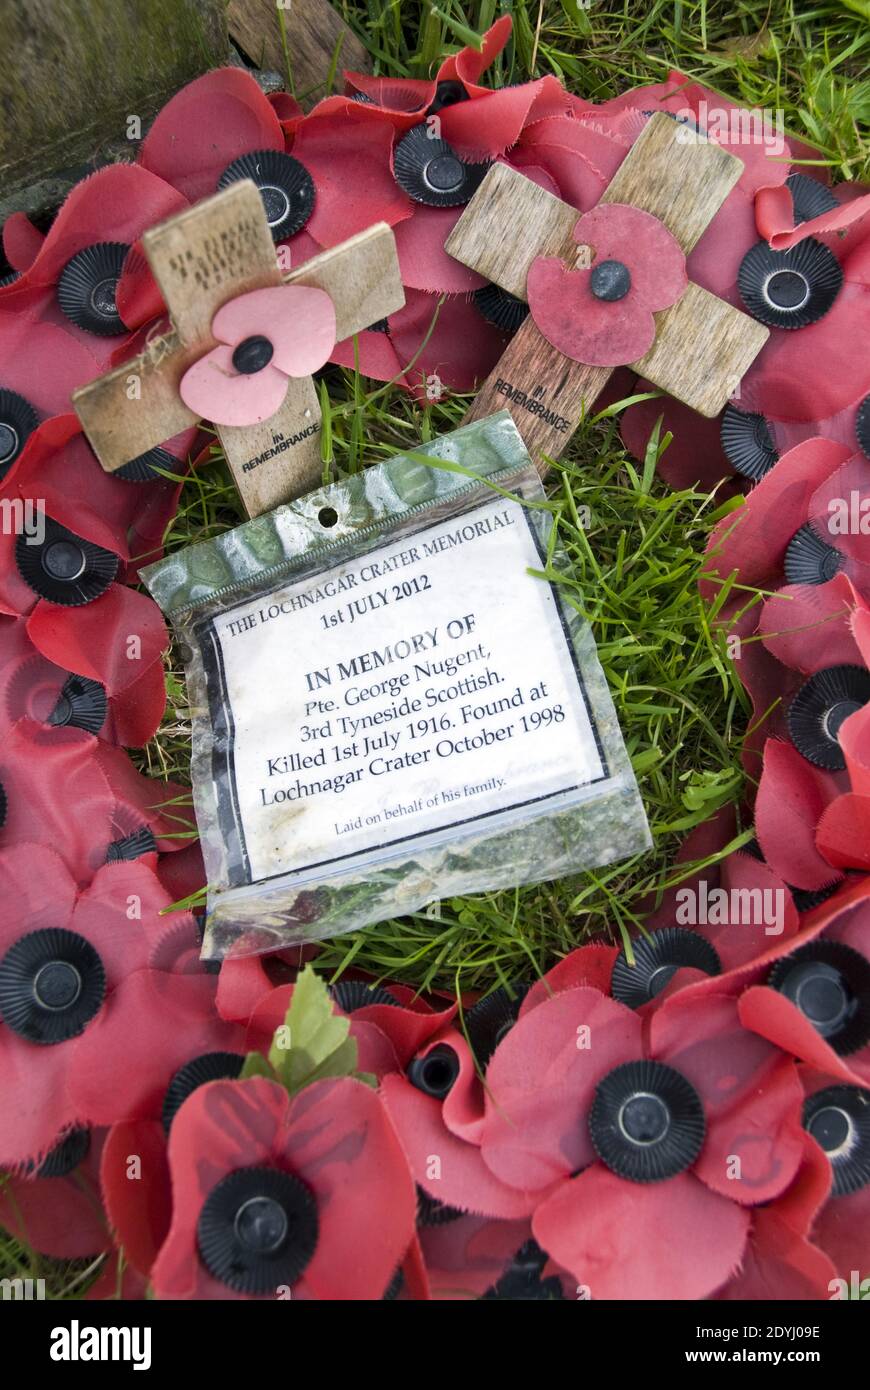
389	706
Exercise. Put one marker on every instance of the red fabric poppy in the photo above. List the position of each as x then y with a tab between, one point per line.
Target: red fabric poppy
441	1138
780	1262
205	127
753	540
750	136
118	915
43	363
32	686
116	204
482	126
336	1140
60	1217
68	791
844	920
774	216
608	325
599	1226
102	1092
430	347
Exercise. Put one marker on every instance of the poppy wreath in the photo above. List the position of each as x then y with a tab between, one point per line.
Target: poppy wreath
711	1076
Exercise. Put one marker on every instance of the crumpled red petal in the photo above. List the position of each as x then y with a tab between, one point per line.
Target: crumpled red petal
208	124
638	1241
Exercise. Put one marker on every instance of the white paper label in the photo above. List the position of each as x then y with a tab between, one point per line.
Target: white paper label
423	686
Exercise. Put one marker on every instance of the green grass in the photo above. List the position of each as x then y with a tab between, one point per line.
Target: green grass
633	548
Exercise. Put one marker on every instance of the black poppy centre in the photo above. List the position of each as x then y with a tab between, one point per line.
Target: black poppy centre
610	280
829	983
252	354
430	171
52	983
656	962
436	1073
258	1230
838	1118
646	1122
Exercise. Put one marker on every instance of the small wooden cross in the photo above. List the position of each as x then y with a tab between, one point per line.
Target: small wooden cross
202	258
702	346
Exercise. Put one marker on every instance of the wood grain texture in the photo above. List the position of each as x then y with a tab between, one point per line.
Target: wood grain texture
670	171
361	277
73	73
545	392
136	407
279	458
202	258
208	255
677	175
703	346
314	31
701	350
507	224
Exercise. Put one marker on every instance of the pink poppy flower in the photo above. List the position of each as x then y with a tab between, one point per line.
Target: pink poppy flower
266	337
266	1194
604	316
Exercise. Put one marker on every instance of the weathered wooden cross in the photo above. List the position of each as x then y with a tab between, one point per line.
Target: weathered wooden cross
201	259
702	346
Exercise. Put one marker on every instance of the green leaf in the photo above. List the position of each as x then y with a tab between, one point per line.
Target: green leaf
313	1043
256	1065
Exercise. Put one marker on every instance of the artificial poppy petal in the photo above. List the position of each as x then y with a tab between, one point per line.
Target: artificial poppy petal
207	125
750	1092
806	627
136	1188
61	1217
335	1138
467	1256
349	161
460	1178
38	1110
773	1016
843	832
113	640
217	392
791	798
629	1241
299	321
541	1082
106	1094
588	965
423	262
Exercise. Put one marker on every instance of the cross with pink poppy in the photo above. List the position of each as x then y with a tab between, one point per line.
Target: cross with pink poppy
245	339
629	302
